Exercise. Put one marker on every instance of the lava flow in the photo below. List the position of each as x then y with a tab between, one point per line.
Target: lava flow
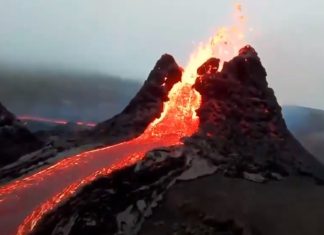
24	201
28	118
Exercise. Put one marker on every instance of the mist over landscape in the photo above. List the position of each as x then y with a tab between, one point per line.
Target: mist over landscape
84	61
89	39
161	117
77	96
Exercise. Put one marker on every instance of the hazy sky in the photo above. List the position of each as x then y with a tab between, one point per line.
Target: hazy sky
126	37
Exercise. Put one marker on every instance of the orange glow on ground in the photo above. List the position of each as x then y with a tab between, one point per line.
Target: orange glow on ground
70	174
28	118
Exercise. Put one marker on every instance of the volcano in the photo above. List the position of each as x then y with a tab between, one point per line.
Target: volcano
202	149
145	107
237	145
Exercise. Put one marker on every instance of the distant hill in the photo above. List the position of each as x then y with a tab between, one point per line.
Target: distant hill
96	97
307	125
65	95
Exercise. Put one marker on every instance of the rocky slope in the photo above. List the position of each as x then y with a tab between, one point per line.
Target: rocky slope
23	151
241	118
242	140
217	205
145	106
15	139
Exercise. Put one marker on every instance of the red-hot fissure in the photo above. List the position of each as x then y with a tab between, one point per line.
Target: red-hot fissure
24	201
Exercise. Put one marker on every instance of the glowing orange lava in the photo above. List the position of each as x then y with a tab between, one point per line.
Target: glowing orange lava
54	121
70	174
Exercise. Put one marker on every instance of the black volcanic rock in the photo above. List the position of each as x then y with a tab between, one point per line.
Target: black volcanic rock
242	135
218	205
210	66
241	119
15	139
125	198
145	106
6	118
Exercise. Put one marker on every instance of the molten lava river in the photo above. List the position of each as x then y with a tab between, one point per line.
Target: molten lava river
24	202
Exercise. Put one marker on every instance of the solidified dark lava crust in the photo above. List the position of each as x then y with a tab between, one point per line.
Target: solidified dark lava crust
242	136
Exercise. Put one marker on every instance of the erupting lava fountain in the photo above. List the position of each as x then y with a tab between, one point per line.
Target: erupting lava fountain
24	201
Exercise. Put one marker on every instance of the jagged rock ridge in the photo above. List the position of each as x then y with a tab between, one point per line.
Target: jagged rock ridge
241	119
145	106
15	139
